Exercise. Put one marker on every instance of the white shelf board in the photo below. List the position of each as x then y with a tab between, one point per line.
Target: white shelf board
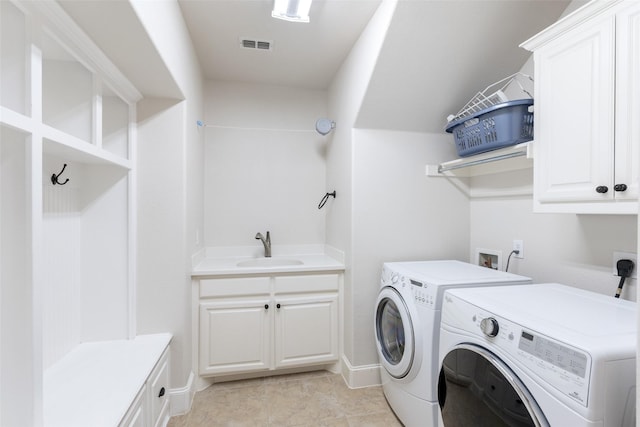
63	145
15	120
506	159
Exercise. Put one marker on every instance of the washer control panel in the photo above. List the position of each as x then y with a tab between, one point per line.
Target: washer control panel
422	294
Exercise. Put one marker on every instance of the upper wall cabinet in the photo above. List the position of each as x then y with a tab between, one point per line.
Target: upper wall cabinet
586	152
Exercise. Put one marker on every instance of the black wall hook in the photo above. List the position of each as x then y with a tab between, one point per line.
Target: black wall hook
54	177
325	198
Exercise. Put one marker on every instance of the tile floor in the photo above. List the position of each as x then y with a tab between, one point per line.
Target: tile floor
310	399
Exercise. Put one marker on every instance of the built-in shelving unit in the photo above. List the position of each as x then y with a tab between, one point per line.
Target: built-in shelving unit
66	248
505	159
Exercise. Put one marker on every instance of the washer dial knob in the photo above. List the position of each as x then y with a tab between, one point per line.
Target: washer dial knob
489	326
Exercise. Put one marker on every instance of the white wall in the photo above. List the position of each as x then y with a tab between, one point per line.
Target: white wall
399	214
170	188
19	379
386	209
345	97
576	250
163	288
265	165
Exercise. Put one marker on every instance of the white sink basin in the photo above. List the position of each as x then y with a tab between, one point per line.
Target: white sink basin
269	262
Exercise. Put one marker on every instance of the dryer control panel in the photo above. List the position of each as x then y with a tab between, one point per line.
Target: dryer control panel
566	368
563	366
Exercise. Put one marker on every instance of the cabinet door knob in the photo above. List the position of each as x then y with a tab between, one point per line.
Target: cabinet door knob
266	306
602	189
620	187
278	305
161	392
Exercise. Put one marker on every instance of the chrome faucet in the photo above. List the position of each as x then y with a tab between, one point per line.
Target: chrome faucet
266	242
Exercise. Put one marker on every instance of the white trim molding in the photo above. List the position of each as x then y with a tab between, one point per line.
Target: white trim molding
360	376
181	399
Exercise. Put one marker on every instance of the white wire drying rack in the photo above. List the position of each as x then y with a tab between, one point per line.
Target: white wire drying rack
492	95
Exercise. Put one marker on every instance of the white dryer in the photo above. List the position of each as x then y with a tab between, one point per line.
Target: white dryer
538	355
407	324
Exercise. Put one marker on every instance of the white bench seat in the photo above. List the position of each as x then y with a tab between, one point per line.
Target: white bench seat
96	383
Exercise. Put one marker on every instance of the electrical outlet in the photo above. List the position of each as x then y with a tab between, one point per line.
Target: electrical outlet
518	245
625	255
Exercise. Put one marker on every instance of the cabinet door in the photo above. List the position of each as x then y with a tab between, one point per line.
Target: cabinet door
158	385
235	336
137	415
306	330
628	100
574	122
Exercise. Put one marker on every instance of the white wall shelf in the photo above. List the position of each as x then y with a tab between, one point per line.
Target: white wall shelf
15	120
506	159
62	145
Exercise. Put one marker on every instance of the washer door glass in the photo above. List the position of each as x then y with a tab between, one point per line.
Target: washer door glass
394	333
477	389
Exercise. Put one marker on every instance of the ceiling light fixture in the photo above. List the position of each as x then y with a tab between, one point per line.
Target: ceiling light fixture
291	10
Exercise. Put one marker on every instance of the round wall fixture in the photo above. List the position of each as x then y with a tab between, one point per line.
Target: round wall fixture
324	126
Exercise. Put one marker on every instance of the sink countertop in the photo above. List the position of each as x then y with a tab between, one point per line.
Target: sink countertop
212	264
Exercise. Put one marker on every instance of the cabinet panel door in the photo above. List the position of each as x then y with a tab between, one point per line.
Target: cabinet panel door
137	415
628	100
159	392
574	115
306	330
235	336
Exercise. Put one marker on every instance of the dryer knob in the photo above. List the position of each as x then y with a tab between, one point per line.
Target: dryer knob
489	326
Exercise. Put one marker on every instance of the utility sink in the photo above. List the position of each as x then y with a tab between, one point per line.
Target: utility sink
269	262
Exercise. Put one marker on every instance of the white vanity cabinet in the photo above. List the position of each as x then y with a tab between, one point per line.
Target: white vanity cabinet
250	324
587	131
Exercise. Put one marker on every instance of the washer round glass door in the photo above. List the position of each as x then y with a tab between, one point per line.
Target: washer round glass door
394	333
477	389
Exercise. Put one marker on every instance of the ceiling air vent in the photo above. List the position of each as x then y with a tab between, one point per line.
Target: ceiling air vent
248	43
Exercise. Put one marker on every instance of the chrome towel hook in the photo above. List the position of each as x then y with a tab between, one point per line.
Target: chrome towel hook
325	198
54	177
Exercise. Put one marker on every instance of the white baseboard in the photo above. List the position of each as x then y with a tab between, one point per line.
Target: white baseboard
180	399
360	376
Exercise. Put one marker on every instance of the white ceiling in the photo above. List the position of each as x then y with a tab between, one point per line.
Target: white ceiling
437	53
302	55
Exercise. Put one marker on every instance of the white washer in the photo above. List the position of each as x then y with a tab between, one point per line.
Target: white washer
537	355
407	317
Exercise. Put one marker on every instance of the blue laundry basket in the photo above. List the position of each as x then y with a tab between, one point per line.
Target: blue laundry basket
501	125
